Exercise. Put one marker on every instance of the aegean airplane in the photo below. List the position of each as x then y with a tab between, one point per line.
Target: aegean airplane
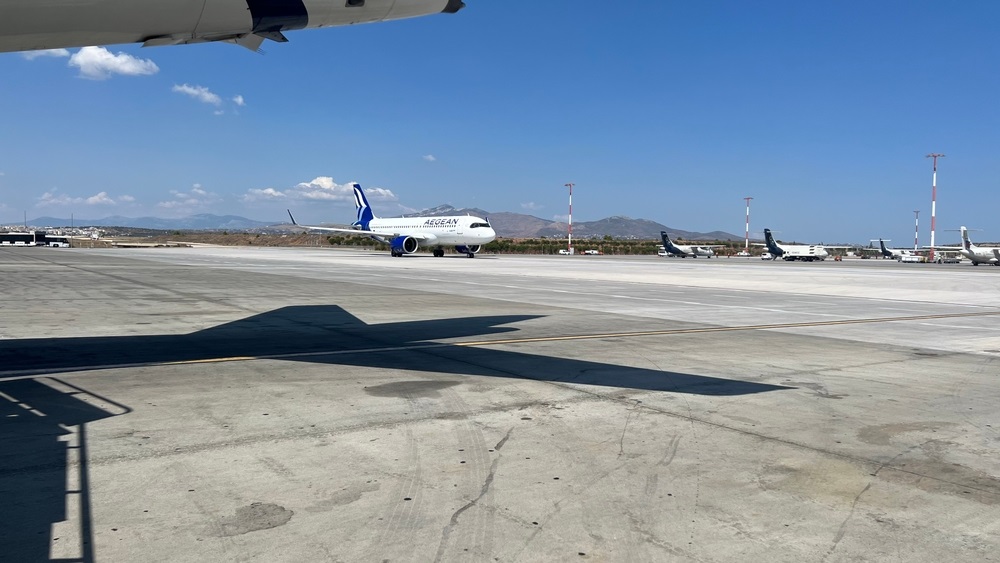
27	25
685	250
405	235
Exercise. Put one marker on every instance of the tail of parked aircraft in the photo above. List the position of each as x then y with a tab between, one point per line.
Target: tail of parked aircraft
365	214
885	251
966	241
666	239
772	246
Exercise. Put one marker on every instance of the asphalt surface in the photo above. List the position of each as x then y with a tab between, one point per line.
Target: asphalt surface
241	404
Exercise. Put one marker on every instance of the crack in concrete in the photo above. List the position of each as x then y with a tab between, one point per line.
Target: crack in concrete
446	533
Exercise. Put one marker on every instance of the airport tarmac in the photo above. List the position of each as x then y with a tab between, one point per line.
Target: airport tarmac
279	404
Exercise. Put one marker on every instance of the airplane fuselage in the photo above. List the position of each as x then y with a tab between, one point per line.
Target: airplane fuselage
50	24
802	252
685	251
437	231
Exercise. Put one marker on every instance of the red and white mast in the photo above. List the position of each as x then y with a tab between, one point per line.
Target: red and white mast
569	239
746	247
916	229
935	156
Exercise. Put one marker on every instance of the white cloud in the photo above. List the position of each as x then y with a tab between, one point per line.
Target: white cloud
54	199
49	198
560	218
97	63
238	100
100	199
189	201
429	157
263	195
126	199
200	93
531	206
57	53
320	188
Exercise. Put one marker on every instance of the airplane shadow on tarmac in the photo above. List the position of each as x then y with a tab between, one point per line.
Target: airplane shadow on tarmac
43	458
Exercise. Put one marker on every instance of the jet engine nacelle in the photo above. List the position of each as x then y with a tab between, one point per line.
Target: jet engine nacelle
403	245
471	249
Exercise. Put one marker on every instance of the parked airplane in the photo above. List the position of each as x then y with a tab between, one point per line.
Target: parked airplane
685	250
977	254
405	235
894	253
804	252
27	25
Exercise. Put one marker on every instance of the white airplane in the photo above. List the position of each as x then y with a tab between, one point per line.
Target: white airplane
405	235
685	250
27	25
977	254
803	252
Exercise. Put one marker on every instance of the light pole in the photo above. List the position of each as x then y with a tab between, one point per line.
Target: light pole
935	156
569	239
746	248
916	228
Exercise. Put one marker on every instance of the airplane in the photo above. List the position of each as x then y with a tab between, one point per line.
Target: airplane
684	250
405	235
977	254
27	25
803	252
894	253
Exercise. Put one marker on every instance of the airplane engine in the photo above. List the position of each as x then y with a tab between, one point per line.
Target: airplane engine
472	249
403	245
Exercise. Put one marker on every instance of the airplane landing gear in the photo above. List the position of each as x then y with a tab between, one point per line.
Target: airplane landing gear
438	252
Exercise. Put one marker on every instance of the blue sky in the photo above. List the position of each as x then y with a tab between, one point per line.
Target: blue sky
668	111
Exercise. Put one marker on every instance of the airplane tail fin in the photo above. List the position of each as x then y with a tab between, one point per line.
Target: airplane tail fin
885	251
772	246
666	239
365	214
966	241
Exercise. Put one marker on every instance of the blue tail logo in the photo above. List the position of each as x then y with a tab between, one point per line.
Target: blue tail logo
365	214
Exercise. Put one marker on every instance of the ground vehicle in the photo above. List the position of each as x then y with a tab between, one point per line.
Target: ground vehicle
766	256
563	251
948	260
743	253
912	258
592	252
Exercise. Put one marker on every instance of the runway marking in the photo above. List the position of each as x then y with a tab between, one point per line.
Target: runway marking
29	373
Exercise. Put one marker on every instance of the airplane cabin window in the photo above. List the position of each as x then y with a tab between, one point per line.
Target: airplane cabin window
355	4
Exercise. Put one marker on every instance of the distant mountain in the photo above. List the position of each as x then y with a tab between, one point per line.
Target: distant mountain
507	224
201	222
519	225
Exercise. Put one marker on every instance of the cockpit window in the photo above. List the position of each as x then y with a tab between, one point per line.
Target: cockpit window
478	225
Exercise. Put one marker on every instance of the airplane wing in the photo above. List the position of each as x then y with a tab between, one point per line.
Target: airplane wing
417	236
